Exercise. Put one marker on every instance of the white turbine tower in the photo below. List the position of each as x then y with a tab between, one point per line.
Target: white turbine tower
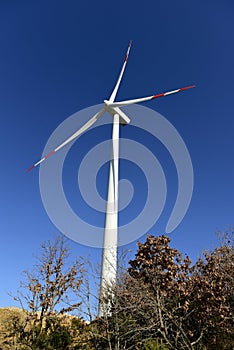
110	241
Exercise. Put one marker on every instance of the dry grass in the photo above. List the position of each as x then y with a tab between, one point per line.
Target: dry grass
7	317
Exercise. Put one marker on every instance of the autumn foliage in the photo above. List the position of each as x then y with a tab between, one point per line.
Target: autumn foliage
161	301
163	297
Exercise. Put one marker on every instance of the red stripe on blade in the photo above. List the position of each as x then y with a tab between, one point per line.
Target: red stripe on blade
126	58
158	95
187	87
49	154
129	46
31	167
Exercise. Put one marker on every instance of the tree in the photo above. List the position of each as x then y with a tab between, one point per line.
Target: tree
163	280
213	292
47	294
163	297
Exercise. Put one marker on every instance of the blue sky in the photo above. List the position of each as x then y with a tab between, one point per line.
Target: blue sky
60	57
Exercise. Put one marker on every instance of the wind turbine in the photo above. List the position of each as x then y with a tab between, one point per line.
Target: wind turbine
110	241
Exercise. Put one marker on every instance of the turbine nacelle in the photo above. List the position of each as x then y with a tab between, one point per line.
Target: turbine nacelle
123	118
107	103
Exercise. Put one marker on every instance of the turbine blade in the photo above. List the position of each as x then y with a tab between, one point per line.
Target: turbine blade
143	99
87	125
113	95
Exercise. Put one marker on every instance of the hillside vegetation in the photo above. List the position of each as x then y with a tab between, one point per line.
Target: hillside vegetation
160	302
8	316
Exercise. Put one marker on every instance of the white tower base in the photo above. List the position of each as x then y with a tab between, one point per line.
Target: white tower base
110	241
